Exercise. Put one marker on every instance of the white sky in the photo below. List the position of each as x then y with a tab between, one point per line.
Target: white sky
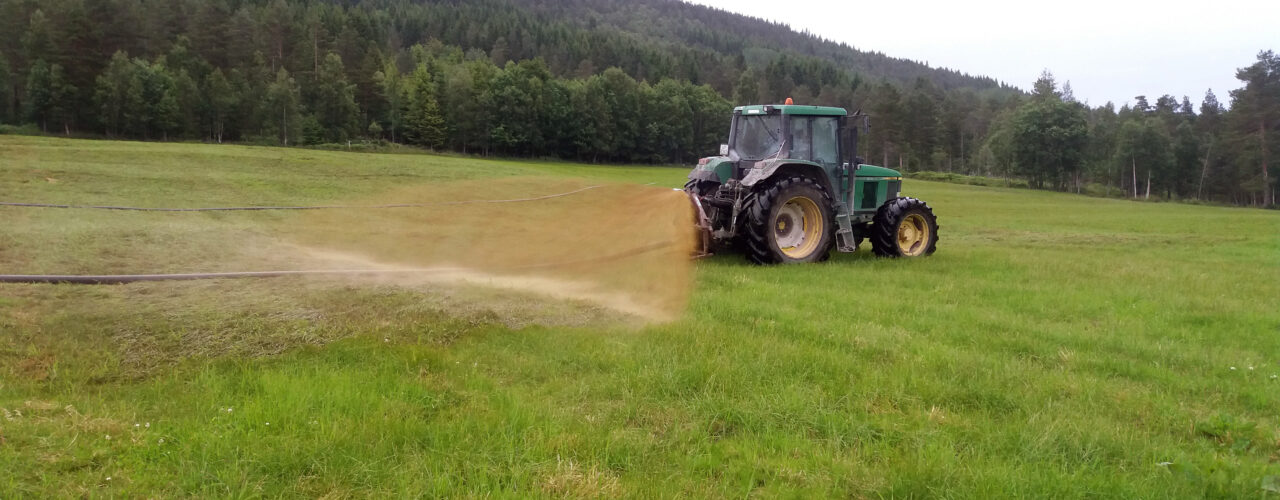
1108	50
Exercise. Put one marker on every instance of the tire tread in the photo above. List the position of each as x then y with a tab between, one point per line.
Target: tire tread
756	208
885	223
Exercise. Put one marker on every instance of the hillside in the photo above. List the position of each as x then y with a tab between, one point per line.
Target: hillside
744	39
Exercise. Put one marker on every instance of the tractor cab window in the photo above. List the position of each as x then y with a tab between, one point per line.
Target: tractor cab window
813	138
824	141
756	137
801	142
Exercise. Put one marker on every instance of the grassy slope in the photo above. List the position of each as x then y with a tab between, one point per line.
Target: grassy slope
1056	345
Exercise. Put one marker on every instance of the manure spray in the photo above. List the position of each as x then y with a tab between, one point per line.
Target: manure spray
617	246
624	247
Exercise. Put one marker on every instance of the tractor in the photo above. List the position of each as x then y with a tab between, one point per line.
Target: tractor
789	185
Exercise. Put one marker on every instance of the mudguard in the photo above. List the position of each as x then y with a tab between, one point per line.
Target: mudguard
713	168
765	169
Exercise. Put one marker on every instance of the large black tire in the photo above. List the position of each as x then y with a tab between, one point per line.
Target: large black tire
763	212
904	227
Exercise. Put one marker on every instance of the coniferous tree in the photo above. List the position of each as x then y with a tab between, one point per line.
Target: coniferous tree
189	103
1209	128
422	122
747	91
1049	136
167	110
333	100
392	87
49	96
37	41
283	98
6	91
1255	124
920	124
1186	157
220	104
458	106
116	95
1143	148
1103	124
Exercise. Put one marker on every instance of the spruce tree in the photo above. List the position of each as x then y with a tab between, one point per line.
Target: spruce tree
49	97
1255	125
333	100
422	122
392	88
283	99
219	104
6	92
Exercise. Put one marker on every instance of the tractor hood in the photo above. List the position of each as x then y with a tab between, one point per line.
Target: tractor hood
874	171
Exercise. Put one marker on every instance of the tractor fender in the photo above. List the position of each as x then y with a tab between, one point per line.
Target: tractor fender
717	169
768	169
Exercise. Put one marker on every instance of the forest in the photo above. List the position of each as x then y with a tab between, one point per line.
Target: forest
645	81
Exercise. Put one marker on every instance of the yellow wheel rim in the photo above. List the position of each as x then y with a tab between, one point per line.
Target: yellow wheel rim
798	226
913	235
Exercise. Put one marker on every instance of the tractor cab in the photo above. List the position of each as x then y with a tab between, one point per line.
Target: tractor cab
806	133
771	147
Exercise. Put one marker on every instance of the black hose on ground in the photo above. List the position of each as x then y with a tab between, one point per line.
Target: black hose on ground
302	207
118	279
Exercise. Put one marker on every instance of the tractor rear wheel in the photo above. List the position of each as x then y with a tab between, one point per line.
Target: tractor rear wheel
904	227
789	221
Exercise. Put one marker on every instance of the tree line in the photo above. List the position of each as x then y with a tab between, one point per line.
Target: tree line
614	81
1169	149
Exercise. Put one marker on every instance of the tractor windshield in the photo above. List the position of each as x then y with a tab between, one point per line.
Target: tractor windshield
757	137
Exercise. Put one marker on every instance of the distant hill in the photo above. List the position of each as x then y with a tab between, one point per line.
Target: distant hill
674	24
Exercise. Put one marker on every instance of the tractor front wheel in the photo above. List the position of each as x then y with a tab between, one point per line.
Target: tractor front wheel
904	227
789	221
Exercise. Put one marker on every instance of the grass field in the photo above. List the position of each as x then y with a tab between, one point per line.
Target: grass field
1055	346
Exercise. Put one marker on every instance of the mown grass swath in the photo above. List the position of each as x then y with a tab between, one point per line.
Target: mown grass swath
1057	346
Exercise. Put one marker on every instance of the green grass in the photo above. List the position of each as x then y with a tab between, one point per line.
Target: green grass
1055	346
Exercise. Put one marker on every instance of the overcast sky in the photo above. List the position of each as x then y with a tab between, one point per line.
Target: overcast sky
1108	50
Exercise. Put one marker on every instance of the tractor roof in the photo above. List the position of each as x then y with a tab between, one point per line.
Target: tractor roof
790	109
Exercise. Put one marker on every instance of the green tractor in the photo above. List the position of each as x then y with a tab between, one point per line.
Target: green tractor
789	185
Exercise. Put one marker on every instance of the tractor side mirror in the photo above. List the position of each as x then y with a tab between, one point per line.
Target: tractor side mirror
724	150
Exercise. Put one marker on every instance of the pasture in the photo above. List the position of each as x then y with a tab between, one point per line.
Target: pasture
1056	345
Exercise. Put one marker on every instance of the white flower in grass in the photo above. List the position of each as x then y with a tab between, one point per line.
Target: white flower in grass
1233	368
148	425
268	423
108	478
1250	368
137	425
108	437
